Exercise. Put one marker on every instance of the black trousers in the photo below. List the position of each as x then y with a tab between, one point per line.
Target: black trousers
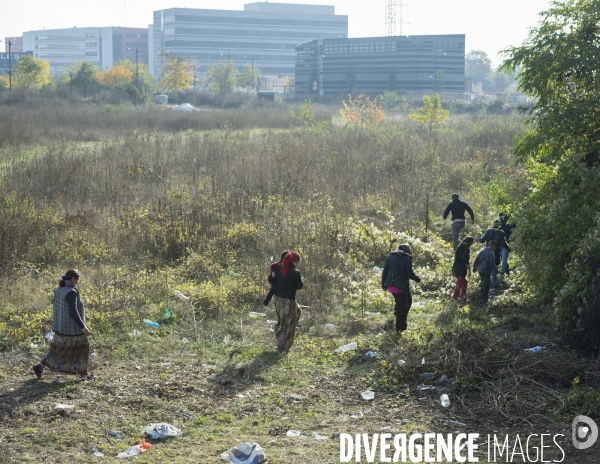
403	304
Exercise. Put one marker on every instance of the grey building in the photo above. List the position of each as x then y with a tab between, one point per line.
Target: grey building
373	65
265	33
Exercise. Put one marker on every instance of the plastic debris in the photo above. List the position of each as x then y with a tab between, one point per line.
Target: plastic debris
416	305
93	356
353	416
245	453
294	433
349	347
117	435
161	430
329	326
457	423
371	313
535	349
165	364
319	437
271	321
428	375
135	333
187	416
376	270
296	397
255	314
181	296
151	324
401	362
405	421
443	379
368	395
422	387
97	453
168	314
135	450
33	346
445	400
183	107
373	354
49	336
64	406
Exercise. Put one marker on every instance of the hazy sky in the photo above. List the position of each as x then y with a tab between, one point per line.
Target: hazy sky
488	25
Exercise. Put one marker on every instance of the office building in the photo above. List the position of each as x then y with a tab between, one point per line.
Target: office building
16	44
102	46
422	63
263	33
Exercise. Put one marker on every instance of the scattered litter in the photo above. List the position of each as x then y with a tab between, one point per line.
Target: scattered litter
152	324
377	270
183	107
373	354
208	366
93	356
33	346
495	320
423	362
416	305
387	427
405	421
168	314
117	435
423	387
463	446
294	433
368	411
535	349
138	367
319	437
135	333
135	450
165	364
271	321
368	395
296	397
64	406
349	347
49	336
187	416
95	452
457	423
401	362
443	379
353	416
162	430
445	400
255	314
245	453
181	296
520	268
428	375
371	313
329	326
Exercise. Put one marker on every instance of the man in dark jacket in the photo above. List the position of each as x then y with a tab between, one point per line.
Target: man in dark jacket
457	208
484	263
507	229
496	234
396	272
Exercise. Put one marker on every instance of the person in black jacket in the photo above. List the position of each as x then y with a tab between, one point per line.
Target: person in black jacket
286	281
496	234
457	208
461	268
396	273
507	229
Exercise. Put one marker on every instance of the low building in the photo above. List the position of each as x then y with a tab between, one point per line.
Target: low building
373	65
102	46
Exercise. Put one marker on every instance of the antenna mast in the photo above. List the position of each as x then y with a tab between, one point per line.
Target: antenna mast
394	17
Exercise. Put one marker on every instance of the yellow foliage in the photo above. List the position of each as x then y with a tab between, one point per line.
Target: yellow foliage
115	76
31	73
431	114
177	73
362	111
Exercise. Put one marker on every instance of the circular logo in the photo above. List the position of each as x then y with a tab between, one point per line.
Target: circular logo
587	432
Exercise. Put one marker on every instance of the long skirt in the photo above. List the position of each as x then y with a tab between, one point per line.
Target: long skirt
288	315
69	355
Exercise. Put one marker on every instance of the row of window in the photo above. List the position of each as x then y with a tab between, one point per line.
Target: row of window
62	38
91	35
136	44
91	53
284	34
57	47
360	47
342	23
131	35
229	45
60	55
213	58
91	45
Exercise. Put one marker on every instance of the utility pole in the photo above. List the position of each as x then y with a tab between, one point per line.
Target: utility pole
9	67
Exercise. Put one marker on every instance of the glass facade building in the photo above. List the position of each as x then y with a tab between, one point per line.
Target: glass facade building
266	33
373	65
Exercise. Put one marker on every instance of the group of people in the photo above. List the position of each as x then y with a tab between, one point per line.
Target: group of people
69	348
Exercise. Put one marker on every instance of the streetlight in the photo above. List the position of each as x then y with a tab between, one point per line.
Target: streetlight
70	74
9	66
136	66
435	66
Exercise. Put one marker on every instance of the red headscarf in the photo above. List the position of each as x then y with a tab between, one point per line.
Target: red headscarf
287	259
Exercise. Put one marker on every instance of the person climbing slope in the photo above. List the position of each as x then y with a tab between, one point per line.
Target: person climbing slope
457	208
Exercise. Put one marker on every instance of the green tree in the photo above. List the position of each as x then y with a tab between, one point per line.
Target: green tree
392	81
221	78
558	216
305	113
247	75
31	73
478	67
390	100
82	76
176	71
350	79
431	114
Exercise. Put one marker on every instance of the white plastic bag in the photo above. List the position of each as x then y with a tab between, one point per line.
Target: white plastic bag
162	430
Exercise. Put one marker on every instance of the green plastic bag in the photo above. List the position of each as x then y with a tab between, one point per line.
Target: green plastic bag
168	314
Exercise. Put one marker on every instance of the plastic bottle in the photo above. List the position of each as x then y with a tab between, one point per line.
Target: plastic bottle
535	349
445	400
349	347
117	435
181	296
152	324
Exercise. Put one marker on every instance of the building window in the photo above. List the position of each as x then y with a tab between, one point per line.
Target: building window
91	53
91	36
91	45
